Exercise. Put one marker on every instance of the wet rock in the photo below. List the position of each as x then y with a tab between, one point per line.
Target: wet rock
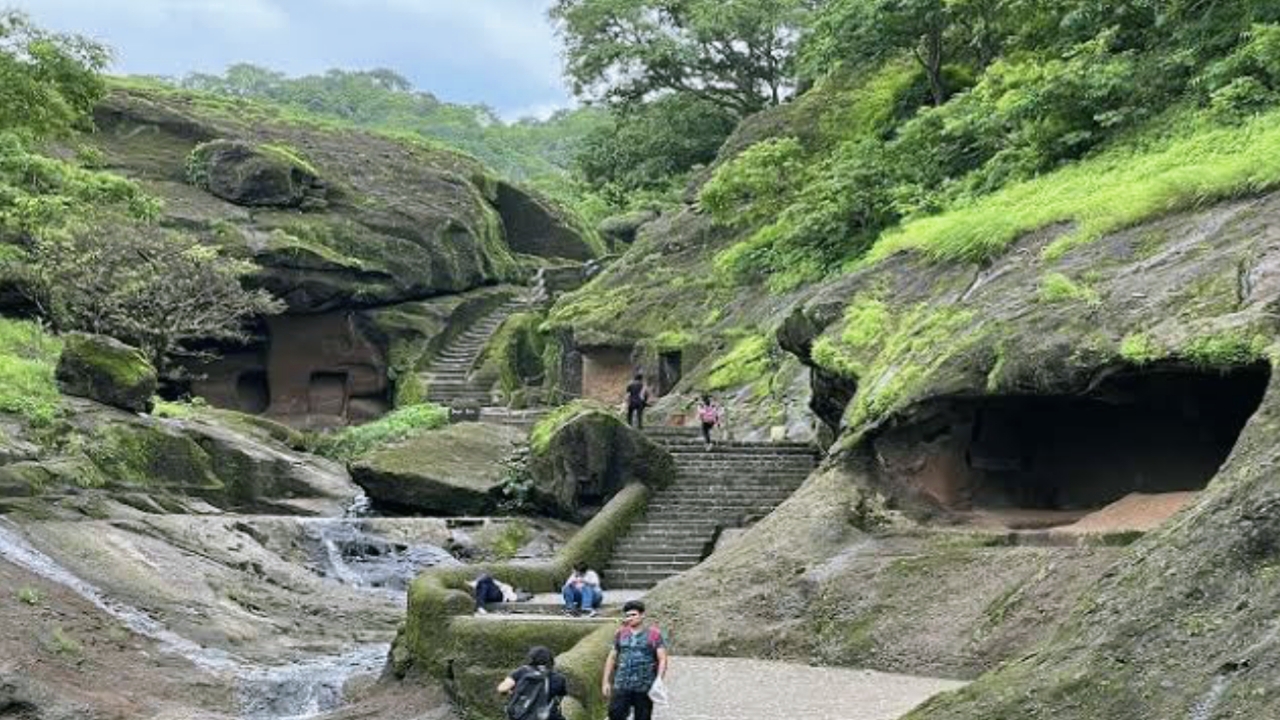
104	369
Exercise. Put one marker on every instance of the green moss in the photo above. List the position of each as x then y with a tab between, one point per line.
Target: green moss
355	442
28	361
541	434
1140	349
750	361
1226	349
145	456
515	353
513	537
288	155
1058	288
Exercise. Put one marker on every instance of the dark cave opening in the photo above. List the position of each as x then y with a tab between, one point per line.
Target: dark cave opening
1149	431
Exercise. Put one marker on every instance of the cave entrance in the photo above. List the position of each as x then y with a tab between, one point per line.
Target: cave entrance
252	392
1049	460
327	394
669	371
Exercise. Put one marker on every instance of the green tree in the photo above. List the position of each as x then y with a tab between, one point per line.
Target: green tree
736	54
162	291
49	82
650	143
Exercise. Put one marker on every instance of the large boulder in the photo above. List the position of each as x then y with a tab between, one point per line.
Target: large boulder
584	453
104	369
458	470
254	175
537	226
333	218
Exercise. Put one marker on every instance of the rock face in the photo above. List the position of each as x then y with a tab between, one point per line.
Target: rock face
584	455
535	226
254	176
1154	373
105	369
340	218
622	229
222	460
458	470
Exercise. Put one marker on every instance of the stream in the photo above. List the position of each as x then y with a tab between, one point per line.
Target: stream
343	551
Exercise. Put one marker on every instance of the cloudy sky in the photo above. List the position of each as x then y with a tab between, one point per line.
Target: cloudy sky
500	52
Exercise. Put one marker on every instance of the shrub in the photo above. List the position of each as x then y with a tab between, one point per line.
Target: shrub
354	442
28	359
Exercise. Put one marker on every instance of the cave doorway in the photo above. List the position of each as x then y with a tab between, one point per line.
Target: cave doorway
327	394
253	394
1058	458
669	371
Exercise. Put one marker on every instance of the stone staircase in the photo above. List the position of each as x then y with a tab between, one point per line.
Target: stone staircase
728	486
449	377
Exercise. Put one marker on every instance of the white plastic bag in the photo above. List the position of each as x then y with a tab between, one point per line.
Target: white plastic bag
658	692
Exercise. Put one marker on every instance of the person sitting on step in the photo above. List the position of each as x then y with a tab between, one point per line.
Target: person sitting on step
581	592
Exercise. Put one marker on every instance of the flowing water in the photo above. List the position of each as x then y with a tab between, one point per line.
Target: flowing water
343	550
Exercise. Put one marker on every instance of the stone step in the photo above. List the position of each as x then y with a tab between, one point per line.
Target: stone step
643	579
627	569
649	555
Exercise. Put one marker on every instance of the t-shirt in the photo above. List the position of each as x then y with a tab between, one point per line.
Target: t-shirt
559	688
636	393
637	658
591	578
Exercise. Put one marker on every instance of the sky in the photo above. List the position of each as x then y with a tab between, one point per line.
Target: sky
502	53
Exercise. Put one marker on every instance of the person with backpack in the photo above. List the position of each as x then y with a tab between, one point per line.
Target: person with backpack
637	401
536	689
710	415
638	658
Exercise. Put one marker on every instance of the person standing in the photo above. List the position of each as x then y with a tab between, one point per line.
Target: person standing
637	659
710	415
637	401
536	689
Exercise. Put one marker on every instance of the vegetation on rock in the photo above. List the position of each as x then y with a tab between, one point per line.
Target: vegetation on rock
352	443
28	358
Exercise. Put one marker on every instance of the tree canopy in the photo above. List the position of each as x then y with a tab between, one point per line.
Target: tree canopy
736	54
49	82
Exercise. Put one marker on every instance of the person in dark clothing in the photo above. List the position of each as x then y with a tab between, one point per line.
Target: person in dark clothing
487	591
637	401
542	662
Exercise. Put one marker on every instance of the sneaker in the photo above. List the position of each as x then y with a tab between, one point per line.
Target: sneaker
481	611
567	611
593	613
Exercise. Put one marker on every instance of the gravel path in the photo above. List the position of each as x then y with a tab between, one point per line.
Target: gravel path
733	689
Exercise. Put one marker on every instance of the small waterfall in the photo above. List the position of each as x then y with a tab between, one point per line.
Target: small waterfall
305	689
18	551
347	552
286	692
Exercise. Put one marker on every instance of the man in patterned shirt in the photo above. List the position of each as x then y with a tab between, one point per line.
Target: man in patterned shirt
639	656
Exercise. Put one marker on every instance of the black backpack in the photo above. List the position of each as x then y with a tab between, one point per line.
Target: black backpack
531	697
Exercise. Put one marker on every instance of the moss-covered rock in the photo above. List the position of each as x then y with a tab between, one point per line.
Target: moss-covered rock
537	226
458	470
105	369
387	220
255	175
583	454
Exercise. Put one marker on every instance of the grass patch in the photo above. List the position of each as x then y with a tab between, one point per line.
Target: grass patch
510	539
28	595
28	360
1116	189
748	361
1226	349
1139	349
1058	288
355	442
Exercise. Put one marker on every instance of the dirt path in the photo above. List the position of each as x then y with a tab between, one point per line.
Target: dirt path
733	689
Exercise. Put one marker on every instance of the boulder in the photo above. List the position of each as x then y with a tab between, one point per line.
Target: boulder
254	175
537	226
334	219
457	470
104	369
584	453
622	229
